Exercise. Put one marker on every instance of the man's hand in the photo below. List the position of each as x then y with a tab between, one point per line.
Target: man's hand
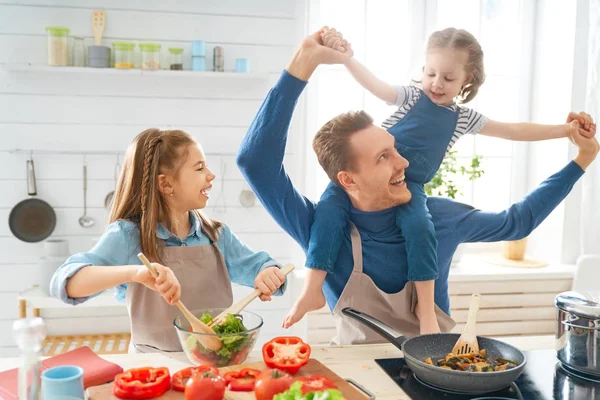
312	52
268	281
587	127
582	132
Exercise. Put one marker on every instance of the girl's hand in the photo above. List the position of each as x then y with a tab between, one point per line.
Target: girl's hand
587	127
335	40
268	281
166	282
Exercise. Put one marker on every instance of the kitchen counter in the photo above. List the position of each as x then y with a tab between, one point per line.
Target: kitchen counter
350	362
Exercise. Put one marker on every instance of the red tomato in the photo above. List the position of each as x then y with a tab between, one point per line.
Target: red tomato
271	382
181	377
206	386
315	383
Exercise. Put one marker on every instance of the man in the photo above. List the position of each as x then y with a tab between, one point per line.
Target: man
371	272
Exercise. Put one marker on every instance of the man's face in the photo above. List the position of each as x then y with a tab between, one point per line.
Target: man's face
377	179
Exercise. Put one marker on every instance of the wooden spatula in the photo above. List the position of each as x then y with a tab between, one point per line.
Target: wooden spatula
210	342
467	342
237	307
98	22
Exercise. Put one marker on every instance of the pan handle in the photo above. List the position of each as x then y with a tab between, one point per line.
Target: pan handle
392	335
31	186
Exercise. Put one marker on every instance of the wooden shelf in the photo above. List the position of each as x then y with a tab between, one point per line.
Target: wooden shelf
133	72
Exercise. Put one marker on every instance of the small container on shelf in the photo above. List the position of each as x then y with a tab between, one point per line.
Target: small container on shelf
123	54
150	55
176	58
58	47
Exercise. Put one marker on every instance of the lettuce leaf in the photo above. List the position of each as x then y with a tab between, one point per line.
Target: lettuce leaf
295	393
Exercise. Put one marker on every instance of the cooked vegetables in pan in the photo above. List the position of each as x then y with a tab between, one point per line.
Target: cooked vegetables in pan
474	362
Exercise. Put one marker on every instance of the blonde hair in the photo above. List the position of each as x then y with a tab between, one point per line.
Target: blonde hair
137	196
460	39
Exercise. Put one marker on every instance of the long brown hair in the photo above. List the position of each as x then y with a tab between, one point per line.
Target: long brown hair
137	196
460	39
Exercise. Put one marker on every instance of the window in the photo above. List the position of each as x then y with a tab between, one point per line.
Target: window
389	37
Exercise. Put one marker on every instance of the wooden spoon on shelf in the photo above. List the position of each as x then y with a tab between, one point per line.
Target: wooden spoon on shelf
210	342
98	22
467	342
238	306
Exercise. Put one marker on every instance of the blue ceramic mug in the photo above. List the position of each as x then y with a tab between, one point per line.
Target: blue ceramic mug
65	381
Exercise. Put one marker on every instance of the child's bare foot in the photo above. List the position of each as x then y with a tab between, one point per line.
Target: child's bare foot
427	321
308	301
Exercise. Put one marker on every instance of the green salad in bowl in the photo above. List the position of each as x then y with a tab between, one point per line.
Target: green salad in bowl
238	334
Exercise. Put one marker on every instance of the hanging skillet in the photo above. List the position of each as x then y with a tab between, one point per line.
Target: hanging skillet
32	220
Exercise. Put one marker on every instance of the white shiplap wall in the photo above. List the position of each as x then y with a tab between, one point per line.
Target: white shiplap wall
102	111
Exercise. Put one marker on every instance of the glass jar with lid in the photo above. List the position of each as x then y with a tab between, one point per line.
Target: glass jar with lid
176	58
58	50
123	54
150	55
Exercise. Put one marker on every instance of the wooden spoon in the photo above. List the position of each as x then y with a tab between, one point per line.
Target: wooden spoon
237	307
467	342
98	21
210	342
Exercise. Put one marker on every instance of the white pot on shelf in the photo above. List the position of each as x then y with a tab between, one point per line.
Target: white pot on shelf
47	266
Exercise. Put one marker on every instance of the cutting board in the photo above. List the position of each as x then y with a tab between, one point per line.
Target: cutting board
313	367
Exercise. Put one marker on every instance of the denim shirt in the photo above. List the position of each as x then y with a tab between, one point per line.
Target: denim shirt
120	244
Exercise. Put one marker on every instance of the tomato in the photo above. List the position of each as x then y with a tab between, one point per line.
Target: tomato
181	377
286	353
271	382
205	386
242	380
315	383
142	383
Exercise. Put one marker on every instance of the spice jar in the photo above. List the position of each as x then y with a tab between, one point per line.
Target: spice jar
150	55
218	59
123	54
58	50
176	58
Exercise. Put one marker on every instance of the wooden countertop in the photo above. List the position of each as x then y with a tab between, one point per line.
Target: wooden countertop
349	362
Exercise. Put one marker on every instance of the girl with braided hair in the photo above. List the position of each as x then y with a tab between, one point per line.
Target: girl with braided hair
163	186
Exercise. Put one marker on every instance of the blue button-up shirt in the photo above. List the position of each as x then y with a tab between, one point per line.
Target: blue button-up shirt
120	244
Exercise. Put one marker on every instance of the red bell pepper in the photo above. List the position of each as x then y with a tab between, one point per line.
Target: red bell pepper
181	377
242	380
286	353
142	383
315	383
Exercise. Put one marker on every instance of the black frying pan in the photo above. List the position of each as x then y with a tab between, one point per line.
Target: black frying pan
32	220
436	346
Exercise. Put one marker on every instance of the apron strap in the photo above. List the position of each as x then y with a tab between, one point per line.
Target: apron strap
356	248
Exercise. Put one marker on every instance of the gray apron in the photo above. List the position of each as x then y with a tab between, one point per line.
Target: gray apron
205	283
396	309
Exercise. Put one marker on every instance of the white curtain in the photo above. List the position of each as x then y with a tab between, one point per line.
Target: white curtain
590	204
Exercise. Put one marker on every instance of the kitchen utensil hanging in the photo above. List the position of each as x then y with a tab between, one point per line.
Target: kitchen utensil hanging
220	203
247	196
85	221
32	220
109	197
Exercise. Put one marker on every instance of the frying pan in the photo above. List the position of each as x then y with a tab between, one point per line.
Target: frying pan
436	346
32	220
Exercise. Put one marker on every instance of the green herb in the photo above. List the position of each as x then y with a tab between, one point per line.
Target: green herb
295	393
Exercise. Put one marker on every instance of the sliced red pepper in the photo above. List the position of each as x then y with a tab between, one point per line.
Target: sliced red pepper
181	377
142	383
242	380
286	353
315	383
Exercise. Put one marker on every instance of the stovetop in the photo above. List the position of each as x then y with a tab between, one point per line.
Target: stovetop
543	378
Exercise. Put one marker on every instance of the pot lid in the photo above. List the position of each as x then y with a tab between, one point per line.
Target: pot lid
583	303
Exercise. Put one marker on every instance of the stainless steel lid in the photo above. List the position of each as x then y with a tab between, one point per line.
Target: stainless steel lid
583	304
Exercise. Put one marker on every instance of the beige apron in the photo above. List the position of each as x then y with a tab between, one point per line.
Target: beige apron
205	283
396	309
